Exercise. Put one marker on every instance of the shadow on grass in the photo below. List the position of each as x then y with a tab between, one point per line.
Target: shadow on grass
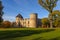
57	38
40	38
20	33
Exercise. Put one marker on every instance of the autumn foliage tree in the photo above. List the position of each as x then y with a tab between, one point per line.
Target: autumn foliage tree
6	24
48	5
56	18
45	22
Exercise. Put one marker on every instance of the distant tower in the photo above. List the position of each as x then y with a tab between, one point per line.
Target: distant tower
33	20
18	19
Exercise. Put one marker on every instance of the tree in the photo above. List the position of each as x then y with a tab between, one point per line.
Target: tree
48	5
1	12
56	18
45	22
6	24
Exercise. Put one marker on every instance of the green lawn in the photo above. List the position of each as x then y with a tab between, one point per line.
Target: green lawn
29	34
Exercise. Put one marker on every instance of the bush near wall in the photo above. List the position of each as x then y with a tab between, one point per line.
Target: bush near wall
6	24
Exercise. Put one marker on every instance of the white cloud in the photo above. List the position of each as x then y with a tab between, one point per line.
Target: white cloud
9	18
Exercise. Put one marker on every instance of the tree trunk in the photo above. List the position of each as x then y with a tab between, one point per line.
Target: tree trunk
51	20
51	24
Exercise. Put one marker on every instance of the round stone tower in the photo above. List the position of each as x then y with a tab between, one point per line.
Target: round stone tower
33	20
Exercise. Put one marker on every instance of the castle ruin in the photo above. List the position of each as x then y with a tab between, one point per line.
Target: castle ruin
31	22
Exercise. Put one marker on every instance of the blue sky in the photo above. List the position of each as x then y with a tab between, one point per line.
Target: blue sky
25	8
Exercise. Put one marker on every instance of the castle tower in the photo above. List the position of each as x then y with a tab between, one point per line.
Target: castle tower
33	20
18	19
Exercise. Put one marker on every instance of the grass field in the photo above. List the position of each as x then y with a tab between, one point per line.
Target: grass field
29	34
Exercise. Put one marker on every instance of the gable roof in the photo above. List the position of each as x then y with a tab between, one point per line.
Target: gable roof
19	15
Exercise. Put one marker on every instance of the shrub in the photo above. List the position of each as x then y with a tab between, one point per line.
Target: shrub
6	24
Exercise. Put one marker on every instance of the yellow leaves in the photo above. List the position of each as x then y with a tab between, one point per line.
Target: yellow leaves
54	5
56	17
48	4
56	12
47	1
6	24
40	1
44	20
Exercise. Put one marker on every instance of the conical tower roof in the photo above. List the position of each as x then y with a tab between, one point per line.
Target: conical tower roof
20	16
